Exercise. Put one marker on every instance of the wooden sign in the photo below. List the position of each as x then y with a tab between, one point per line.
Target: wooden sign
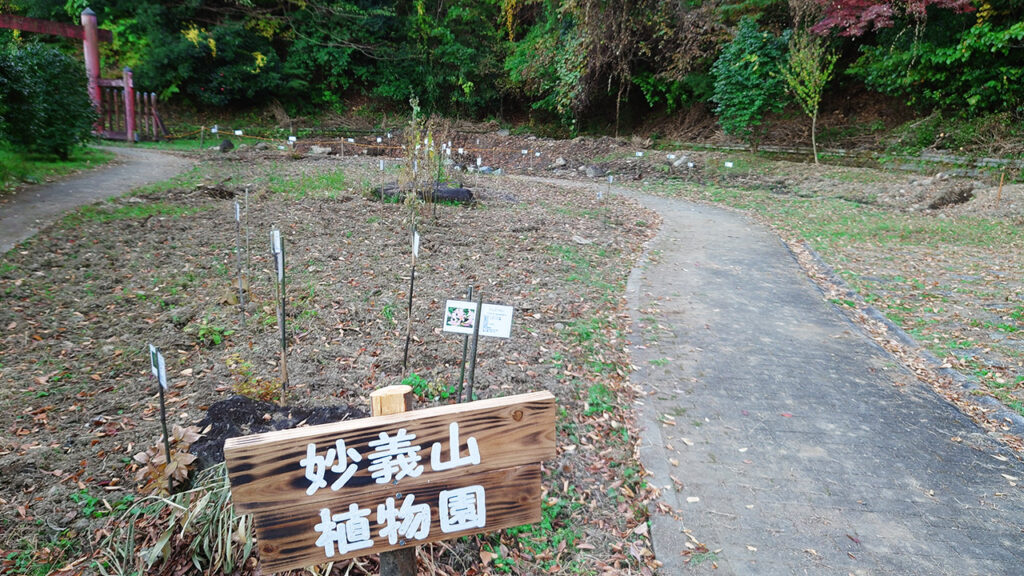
335	491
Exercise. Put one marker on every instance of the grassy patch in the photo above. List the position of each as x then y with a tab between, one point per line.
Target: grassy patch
23	168
107	212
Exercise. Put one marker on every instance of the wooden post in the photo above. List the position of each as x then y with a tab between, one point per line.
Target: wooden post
91	50
385	401
129	105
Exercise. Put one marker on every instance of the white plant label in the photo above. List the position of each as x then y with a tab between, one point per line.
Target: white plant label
415	244
479	161
461	151
153	363
238	212
214	129
525	152
496	321
611	179
275	248
291	138
238	132
639	154
536	154
378	140
671	156
158	366
351	141
381	165
728	164
600	195
689	164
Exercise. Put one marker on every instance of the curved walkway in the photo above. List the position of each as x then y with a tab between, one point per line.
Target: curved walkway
783	439
35	207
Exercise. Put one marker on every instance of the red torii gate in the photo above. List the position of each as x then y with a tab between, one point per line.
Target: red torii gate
90	35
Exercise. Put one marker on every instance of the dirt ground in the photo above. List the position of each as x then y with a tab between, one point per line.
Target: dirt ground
83	300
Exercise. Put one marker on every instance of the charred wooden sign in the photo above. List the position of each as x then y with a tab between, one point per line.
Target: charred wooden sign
334	491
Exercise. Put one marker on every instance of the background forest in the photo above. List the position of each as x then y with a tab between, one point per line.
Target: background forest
574	64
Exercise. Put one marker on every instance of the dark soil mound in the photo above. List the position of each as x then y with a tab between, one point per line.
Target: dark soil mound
241	416
436	193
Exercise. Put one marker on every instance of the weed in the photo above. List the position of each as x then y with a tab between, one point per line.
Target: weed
108	213
388	312
428	390
661	361
599	400
209	334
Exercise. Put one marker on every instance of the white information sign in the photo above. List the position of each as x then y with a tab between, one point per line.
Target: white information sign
416	244
496	321
238	132
292	139
238	212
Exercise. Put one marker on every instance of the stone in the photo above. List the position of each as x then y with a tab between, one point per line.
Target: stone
314	149
226	145
559	162
595	171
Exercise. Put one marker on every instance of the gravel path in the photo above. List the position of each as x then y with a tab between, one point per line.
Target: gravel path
35	207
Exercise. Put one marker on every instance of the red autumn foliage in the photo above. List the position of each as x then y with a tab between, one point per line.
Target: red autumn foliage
855	17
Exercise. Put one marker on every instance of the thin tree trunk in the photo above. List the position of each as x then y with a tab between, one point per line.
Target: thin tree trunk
814	131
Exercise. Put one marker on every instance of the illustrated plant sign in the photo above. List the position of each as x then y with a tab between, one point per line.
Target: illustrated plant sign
495	320
335	491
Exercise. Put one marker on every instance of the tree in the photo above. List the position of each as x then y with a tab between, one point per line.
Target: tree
855	17
45	100
748	83
807	70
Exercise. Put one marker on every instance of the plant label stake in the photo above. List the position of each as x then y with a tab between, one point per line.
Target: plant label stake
412	284
465	350
202	137
277	249
476	338
238	252
158	368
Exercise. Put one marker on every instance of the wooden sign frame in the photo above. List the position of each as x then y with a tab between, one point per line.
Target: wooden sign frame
335	491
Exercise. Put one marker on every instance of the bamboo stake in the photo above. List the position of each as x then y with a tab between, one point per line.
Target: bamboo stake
465	350
476	339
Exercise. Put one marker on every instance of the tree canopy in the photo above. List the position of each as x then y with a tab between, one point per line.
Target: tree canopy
568	61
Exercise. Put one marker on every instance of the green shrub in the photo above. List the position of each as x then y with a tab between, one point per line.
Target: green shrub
46	105
748	83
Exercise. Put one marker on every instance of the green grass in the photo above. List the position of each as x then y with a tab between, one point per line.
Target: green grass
24	168
108	212
325	185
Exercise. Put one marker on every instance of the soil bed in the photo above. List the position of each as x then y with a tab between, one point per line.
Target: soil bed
84	299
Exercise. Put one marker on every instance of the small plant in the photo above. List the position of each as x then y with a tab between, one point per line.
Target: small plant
209	334
248	384
157	470
599	400
428	390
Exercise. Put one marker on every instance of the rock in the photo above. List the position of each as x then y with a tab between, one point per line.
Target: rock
486	170
262	146
681	162
559	162
595	171
503	133
498	172
226	145
314	149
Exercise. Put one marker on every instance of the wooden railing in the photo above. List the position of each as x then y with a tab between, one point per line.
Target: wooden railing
126	114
